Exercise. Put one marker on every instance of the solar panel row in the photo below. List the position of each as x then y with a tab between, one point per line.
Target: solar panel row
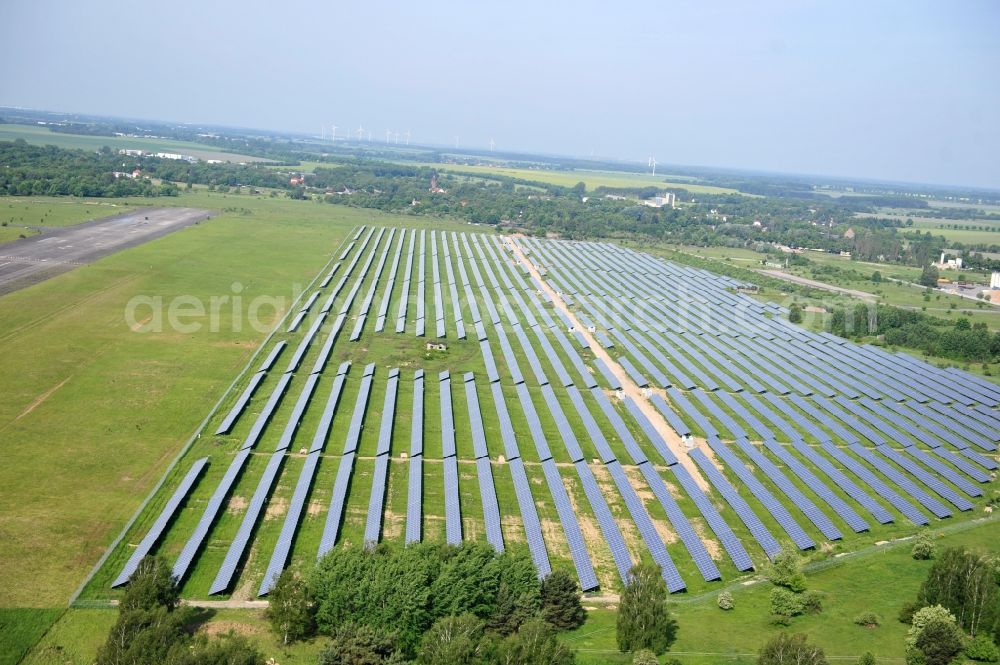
163	519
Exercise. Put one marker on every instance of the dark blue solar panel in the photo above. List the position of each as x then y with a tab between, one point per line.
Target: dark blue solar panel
681	525
562	424
414	497
241	404
491	509
901	481
737	503
534	426
928	479
452	504
670	415
571	528
646	529
319	439
605	520
773	506
811	481
296	416
843	482
337	500
729	541
944	471
162	520
447	418
273	356
808	508
633	373
227	570
373	522
208	516
266	412
651	433
605	371
279	557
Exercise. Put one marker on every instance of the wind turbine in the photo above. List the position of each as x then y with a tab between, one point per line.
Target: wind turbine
361	132
456	142
652	162
397	138
407	137
333	135
387	133
322	132
492	144
369	136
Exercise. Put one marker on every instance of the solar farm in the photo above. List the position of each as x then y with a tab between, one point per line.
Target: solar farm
594	404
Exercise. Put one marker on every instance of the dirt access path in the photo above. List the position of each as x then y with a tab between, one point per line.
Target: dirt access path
817	285
629	386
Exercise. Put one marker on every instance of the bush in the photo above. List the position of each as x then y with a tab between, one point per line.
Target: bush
645	657
907	611
786	571
725	601
867	658
983	649
867	619
785	603
290	610
785	649
812	602
924	547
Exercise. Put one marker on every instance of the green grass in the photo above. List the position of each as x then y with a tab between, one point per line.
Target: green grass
20	629
21	213
38	135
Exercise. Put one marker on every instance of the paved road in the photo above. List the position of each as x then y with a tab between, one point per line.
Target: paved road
31	260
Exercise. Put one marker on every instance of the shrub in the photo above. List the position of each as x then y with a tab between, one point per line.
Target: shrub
786	571
786	603
907	611
867	619
924	547
812	602
983	649
645	657
785	649
725	600
867	658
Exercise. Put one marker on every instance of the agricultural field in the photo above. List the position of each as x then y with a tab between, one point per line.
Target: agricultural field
38	135
592	179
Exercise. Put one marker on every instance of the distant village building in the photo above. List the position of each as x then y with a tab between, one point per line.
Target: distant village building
949	264
667	199
434	189
995	280
131	152
849	234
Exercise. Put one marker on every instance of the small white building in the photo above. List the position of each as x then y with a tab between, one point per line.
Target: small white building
995	280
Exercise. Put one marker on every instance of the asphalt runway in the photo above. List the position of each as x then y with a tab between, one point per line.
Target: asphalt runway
57	250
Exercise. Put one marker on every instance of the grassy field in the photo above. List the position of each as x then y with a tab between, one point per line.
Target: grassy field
879	580
985	231
39	135
21	214
592	179
98	411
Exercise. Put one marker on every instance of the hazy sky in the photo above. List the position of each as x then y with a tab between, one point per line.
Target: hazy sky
901	90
